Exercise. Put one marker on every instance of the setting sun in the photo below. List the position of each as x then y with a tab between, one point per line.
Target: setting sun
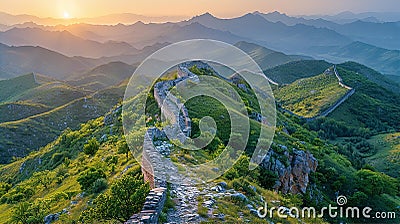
66	15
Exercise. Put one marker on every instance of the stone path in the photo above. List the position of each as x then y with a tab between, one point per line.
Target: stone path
185	198
183	189
183	186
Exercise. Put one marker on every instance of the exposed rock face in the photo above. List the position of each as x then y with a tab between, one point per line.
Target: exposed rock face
293	169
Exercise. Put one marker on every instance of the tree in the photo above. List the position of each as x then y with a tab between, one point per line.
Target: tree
20	213
123	148
99	185
44	178
33	213
267	178
4	187
91	147
125	198
375	183
88	177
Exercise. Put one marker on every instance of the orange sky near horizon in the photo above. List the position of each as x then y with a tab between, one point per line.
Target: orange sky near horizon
221	8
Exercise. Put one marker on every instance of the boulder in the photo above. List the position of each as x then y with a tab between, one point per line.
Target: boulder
239	196
223	184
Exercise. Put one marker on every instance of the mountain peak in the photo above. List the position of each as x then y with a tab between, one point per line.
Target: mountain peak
206	15
276	13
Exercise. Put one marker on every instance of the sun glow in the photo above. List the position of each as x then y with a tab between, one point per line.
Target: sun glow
66	15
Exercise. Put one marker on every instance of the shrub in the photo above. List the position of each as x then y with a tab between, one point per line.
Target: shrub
30	212
111	160
99	185
242	185
267	178
88	177
4	187
58	158
124	198
91	147
375	183
231	174
123	148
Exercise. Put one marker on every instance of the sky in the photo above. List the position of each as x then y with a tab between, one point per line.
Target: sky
220	8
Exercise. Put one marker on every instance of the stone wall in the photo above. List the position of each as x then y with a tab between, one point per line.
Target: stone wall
153	168
152	207
170	104
155	200
147	163
349	93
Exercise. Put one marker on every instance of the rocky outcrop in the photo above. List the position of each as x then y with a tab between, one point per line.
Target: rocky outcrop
292	168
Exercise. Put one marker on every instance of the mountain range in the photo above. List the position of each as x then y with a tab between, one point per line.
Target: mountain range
111	19
315	37
62	42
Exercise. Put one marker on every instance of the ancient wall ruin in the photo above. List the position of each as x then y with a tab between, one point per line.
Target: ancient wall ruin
152	207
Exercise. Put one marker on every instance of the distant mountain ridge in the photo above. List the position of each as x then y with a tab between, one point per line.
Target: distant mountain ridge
127	18
267	58
384	60
348	17
21	60
318	38
64	42
273	35
291	21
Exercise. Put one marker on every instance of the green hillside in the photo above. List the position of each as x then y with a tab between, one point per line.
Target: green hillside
267	58
50	176
310	97
292	71
103	76
44	127
29	95
372	106
48	180
13	87
387	157
42	107
372	76
52	94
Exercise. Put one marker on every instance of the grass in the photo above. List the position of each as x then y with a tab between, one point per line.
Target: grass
372	106
266	58
292	71
290	132
46	126
387	158
19	110
14	87
311	96
69	145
